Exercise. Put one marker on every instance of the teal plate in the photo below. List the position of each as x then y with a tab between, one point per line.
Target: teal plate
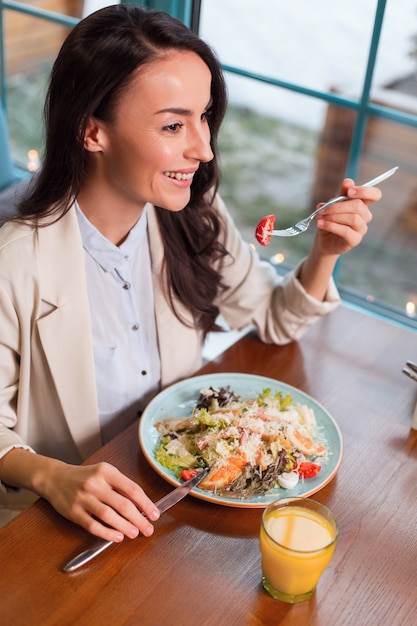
179	401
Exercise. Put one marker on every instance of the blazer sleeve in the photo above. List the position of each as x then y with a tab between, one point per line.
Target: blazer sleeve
279	308
9	380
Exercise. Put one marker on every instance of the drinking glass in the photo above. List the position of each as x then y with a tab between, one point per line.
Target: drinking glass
297	541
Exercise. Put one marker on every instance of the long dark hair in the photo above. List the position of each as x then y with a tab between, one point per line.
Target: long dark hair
92	70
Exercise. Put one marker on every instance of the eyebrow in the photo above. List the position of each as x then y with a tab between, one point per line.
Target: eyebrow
175	110
180	111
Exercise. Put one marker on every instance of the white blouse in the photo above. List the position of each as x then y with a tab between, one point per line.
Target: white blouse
120	294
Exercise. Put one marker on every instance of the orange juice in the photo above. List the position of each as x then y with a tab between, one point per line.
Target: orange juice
297	543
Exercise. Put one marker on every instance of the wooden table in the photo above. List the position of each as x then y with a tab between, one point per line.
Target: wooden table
202	565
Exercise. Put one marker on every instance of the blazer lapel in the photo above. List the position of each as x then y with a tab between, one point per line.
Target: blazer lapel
65	329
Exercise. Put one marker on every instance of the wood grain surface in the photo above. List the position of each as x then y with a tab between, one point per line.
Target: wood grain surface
202	565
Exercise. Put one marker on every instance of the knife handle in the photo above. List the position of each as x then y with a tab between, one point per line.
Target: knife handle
87	555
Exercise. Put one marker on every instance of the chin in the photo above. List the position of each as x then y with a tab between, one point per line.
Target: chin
174	207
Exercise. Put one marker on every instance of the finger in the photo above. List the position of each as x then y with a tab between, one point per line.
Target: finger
347	184
134	493
121	514
112	498
368	195
124	505
86	520
344	210
111	517
107	476
351	233
354	220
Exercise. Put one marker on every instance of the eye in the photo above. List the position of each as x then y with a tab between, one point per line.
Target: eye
207	114
173	128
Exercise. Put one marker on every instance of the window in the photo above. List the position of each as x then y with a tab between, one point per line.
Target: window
317	91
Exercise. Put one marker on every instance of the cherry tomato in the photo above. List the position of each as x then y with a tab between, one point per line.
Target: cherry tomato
189	473
264	229
308	470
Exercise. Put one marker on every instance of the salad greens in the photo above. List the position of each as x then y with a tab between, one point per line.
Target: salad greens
250	445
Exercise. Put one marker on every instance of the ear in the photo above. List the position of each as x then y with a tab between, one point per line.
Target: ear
93	136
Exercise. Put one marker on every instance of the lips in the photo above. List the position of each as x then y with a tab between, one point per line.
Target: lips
180	175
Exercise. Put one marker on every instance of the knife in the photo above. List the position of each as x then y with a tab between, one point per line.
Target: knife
163	505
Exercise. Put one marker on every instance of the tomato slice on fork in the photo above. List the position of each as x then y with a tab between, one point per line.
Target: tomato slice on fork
264	229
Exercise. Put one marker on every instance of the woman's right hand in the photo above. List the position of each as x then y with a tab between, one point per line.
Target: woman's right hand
97	497
102	500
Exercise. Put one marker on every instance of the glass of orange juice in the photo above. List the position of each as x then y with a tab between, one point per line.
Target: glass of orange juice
298	537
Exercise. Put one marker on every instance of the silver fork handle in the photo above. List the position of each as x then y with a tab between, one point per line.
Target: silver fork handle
325	206
370	183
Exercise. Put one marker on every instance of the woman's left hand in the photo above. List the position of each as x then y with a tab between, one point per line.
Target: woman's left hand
342	226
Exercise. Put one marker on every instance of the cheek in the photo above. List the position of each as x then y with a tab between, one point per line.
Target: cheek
140	155
155	156
161	153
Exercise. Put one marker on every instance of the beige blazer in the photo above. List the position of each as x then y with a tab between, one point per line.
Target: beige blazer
47	382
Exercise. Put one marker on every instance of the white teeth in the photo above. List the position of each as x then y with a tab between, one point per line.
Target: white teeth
179	176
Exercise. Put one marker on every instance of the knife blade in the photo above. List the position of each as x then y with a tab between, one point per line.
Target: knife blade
162	505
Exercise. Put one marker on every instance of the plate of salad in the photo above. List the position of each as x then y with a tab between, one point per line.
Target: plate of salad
261	439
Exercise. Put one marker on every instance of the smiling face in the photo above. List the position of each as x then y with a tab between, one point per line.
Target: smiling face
157	140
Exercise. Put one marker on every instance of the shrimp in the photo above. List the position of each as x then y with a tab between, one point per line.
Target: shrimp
260	459
305	444
220	477
282	440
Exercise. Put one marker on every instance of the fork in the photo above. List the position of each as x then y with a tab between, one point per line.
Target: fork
410	370
301	226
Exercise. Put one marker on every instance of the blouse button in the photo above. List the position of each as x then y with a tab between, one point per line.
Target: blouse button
135	327
126	286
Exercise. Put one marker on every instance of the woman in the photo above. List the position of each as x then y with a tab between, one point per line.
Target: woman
122	258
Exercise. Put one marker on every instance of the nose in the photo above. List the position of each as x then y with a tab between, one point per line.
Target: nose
199	147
